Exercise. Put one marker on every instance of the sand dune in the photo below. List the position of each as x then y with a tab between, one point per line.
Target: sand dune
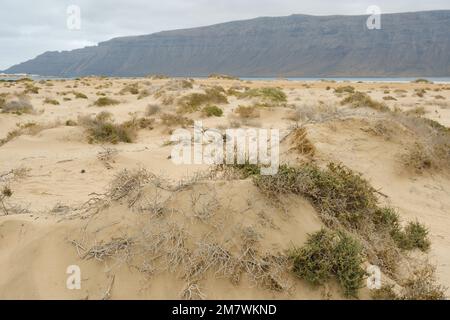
164	231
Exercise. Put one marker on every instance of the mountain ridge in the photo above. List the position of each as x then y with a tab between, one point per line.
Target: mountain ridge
408	44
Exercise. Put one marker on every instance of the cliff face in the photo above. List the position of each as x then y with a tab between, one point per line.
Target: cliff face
409	44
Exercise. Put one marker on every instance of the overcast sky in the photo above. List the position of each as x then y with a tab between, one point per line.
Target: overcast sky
29	28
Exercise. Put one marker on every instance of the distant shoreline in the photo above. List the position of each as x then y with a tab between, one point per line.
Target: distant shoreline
12	77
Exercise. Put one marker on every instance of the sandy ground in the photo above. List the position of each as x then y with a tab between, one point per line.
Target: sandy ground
57	171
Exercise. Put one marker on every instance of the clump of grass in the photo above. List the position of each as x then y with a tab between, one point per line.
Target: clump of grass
105	101
102	129
247	112
51	101
193	101
391	98
212	111
71	123
79	95
344	89
143	94
170	120
420	92
269	95
130	89
328	254
361	100
152	109
31	88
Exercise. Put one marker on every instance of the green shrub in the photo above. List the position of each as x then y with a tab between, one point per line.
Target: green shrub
415	235
327	254
193	101
336	190
272	95
212	111
105	101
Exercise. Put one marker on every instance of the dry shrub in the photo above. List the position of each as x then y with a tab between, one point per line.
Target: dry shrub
51	101
363	100
101	129
417	111
79	95
105	101
152	109
170	120
344	89
19	106
128	183
113	248
247	112
132	88
301	143
432	148
417	158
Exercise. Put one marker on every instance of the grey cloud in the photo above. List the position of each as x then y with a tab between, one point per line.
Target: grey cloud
29	28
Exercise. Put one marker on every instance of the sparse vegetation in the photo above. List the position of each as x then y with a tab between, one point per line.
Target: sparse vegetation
344	89
152	109
361	100
193	101
270	96
19	106
212	111
79	95
51	101
105	101
170	120
247	112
